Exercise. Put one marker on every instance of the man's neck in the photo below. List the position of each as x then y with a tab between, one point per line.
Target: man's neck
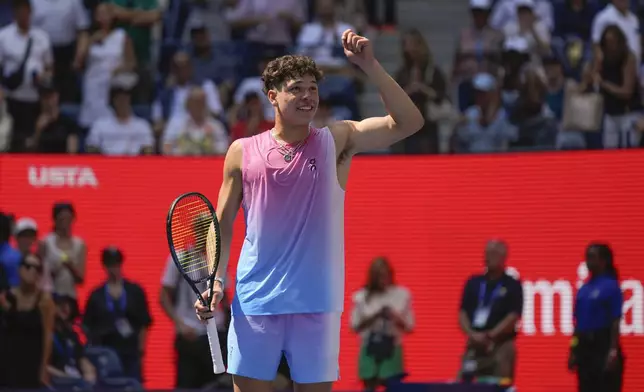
63	233
23	29
290	134
494	275
123	116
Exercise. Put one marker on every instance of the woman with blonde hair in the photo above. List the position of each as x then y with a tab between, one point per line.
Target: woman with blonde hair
381	315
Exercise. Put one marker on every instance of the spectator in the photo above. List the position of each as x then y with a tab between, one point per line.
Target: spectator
574	18
117	315
64	254
616	77
255	85
486	127
66	23
26	232
9	256
121	132
28	314
196	134
527	26
267	24
491	307
26	59
249	119
171	100
537	128
426	85
618	13
55	132
505	11
110	52
478	47
68	359
381	314
514	60
322	40
138	18
194	365
373	10
206	66
6	124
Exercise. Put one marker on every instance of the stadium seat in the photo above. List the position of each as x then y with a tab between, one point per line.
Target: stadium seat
105	360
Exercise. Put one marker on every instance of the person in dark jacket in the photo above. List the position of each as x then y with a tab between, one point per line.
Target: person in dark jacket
596	354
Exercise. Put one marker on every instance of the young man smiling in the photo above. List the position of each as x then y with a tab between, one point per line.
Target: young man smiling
291	181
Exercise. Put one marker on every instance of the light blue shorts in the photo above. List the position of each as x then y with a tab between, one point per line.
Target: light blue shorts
310	342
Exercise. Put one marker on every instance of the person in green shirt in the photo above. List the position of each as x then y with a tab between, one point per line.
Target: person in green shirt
138	17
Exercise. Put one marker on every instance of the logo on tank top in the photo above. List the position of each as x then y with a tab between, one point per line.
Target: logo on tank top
312	165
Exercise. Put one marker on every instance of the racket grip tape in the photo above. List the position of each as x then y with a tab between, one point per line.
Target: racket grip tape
215	347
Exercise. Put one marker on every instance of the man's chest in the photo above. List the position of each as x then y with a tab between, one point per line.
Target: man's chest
14	48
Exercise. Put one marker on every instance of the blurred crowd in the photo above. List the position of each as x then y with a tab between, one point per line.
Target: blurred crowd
184	77
542	75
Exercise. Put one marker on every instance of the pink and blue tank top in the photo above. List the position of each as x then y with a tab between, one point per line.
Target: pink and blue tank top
292	258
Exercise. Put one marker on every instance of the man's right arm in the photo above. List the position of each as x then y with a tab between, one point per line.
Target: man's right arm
228	203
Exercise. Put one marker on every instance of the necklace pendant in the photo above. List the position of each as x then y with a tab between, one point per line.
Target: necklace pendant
288	157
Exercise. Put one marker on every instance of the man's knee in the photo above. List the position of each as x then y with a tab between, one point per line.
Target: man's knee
247	384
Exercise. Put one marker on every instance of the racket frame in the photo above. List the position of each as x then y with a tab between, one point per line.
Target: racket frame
175	257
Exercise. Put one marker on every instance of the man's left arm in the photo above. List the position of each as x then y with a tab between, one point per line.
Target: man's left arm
403	119
508	324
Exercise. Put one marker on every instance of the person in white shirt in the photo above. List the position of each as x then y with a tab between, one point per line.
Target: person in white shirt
198	133
120	132
505	11
321	39
66	23
171	100
25	58
528	26
618	13
254	84
381	315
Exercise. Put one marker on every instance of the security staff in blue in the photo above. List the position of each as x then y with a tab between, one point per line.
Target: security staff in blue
117	315
491	307
595	352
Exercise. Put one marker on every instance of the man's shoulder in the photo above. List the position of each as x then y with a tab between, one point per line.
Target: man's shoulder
39	33
510	280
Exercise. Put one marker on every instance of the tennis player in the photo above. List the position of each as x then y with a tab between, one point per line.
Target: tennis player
290	181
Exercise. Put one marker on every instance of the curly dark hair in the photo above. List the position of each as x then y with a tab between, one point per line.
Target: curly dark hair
285	68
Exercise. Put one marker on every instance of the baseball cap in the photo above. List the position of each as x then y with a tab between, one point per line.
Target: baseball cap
484	82
480	4
524	3
24	224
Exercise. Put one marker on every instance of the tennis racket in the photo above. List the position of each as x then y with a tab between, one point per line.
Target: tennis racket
195	254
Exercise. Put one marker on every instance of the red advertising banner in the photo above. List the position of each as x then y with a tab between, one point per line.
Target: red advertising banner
430	215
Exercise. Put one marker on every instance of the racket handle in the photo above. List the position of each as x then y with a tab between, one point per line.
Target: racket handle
215	348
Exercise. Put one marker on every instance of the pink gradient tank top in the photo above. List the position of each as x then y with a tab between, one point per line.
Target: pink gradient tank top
292	259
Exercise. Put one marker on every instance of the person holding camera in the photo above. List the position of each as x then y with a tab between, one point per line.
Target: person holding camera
381	315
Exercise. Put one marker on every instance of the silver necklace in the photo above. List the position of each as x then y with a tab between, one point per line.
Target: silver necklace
285	150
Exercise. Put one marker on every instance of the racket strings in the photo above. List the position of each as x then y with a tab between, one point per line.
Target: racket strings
191	222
